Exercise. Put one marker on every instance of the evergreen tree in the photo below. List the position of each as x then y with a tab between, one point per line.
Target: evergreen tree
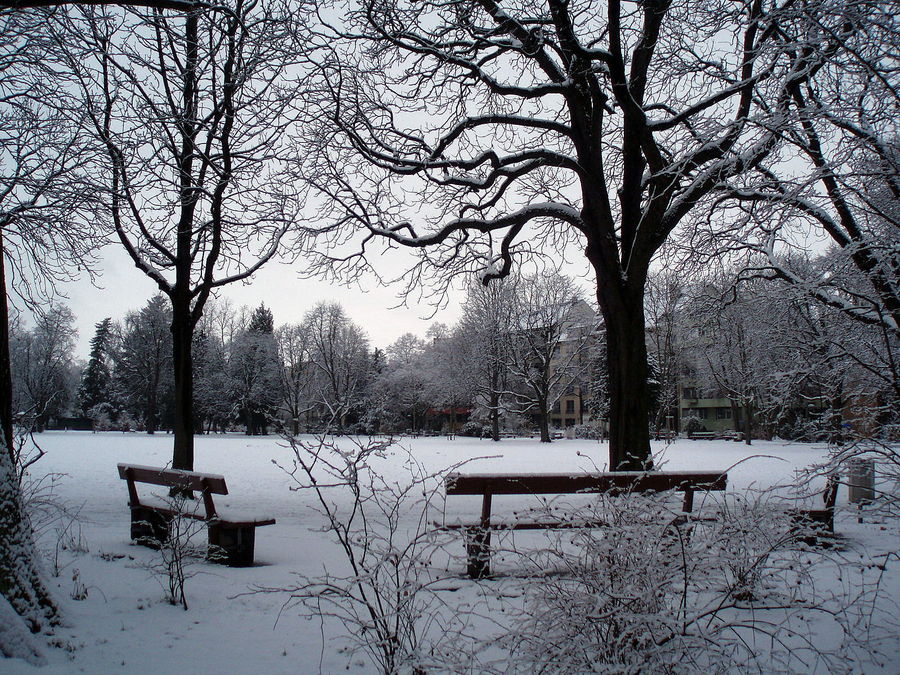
95	382
261	321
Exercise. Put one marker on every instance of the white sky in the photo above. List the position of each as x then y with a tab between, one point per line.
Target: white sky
124	288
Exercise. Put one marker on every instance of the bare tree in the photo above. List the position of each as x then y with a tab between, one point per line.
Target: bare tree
730	348
340	354
448	384
664	305
192	110
43	364
527	126
837	174
295	370
400	390
43	239
488	323
547	344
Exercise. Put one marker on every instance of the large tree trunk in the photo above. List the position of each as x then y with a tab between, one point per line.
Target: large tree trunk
183	455
627	371
151	414
835	422
495	413
6	390
544	420
735	415
180	295
20	580
748	421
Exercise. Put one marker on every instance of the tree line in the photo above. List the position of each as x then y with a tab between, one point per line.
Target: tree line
786	365
320	374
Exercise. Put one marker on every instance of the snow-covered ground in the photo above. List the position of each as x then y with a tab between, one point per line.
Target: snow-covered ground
115	617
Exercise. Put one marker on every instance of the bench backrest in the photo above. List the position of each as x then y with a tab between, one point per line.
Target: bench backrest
176	478
634	481
207	484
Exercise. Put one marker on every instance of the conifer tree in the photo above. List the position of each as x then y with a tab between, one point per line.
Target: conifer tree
96	381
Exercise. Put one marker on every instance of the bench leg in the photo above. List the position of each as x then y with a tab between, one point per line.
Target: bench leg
232	545
478	543
478	553
148	527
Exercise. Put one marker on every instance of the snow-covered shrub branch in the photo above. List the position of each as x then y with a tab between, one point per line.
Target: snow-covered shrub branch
386	589
649	592
176	553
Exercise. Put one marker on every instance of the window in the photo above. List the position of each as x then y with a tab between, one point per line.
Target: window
703	413
690	392
570	406
723	413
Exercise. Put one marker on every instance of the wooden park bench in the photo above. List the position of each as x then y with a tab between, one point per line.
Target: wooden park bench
231	537
478	535
702	435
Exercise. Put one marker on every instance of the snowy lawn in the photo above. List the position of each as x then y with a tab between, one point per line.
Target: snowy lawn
115	616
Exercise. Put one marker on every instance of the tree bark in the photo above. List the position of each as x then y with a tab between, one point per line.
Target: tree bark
495	414
748	421
544	420
627	373
629	440
735	415
183	455
6	390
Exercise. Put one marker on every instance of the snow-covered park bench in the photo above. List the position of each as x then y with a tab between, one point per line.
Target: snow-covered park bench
231	536
478	535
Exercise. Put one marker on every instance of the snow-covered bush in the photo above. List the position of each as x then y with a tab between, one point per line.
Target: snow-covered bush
590	430
651	592
475	429
101	416
691	423
177	552
384	592
604	596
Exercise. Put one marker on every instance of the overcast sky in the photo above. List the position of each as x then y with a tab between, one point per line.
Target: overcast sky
124	288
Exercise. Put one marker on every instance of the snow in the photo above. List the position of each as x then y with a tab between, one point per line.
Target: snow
122	621
15	640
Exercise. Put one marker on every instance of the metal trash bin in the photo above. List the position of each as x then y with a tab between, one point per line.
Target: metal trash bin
861	480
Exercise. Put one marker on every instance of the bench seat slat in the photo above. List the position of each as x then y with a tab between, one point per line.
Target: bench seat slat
527	525
194	509
241	519
512	484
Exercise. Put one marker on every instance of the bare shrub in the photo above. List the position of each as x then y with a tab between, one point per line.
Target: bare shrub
388	597
46	512
651	593
176	553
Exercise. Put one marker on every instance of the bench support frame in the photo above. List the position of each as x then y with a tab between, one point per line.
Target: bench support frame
478	537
